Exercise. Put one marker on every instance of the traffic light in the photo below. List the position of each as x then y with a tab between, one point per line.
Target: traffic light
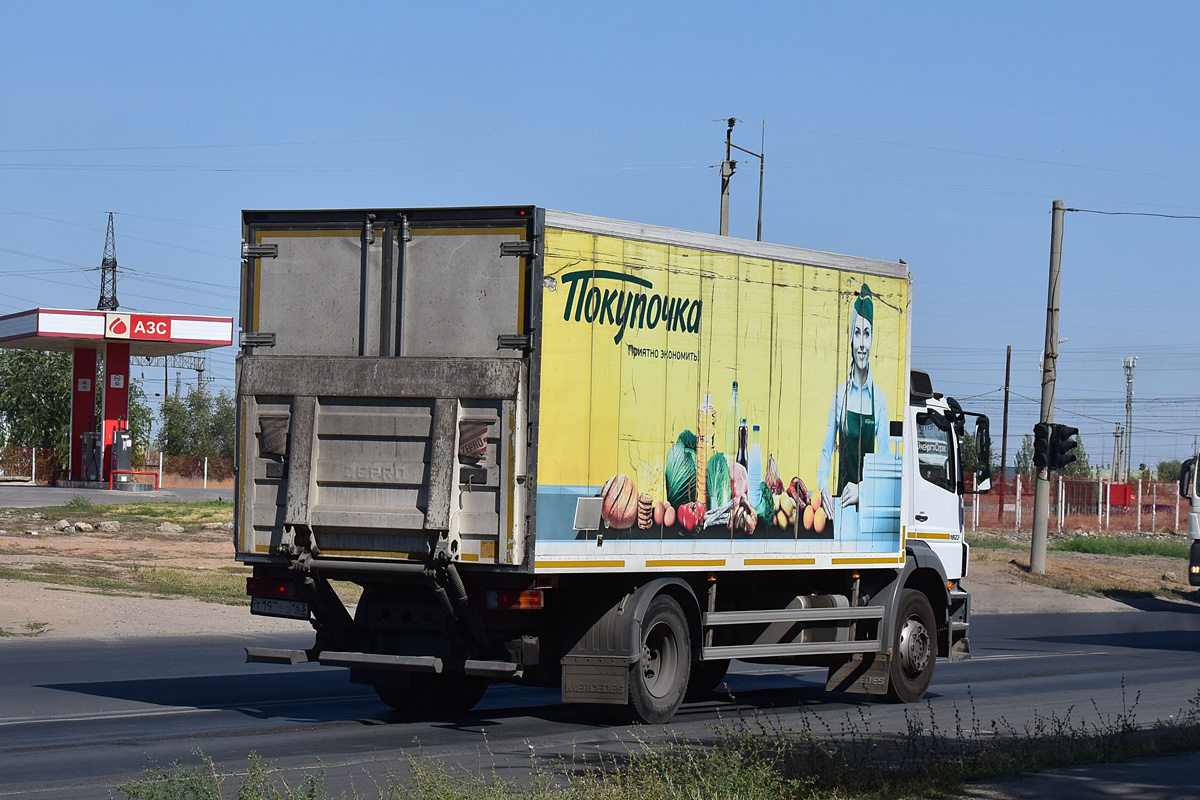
1041	444
1061	446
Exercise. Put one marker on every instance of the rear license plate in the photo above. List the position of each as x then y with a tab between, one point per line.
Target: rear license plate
269	607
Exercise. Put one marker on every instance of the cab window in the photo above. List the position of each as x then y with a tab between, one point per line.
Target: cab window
935	453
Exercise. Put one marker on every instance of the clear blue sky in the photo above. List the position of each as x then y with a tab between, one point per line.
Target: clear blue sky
939	133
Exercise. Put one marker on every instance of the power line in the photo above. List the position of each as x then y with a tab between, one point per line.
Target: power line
1132	213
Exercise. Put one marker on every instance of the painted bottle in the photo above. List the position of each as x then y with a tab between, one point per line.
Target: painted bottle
743	452
755	467
706	445
731	425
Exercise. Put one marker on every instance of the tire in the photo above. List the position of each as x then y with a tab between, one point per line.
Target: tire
914	648
659	679
431	693
706	676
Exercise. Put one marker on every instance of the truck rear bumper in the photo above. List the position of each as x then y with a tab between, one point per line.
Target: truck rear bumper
329	658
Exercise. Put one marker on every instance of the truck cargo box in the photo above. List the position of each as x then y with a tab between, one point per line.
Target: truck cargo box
531	389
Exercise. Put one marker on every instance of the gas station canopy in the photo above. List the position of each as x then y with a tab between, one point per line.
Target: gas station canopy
118	336
146	334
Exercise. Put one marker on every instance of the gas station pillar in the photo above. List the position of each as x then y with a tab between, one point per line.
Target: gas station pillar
83	405
116	396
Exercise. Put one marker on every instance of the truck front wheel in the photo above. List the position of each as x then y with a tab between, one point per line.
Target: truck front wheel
660	676
914	648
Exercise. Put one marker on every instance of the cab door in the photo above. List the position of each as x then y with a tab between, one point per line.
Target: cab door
935	505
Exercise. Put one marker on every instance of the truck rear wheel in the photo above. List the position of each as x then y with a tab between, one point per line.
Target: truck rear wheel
914	648
426	693
660	676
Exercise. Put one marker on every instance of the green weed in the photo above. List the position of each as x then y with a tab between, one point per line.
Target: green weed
181	513
29	629
1112	546
752	758
223	587
992	541
79	503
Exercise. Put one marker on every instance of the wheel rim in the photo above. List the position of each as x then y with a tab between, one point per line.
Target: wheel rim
915	647
660	660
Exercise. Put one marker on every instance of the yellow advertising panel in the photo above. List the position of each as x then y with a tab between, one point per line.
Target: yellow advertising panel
718	402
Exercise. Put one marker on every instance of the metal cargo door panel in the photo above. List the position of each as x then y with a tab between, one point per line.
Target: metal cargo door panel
458	294
386	456
318	296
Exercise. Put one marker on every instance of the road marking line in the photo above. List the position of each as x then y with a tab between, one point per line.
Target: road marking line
1027	656
100	716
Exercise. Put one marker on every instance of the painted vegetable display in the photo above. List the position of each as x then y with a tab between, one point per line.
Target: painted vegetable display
620	505
763	501
799	492
739	480
681	470
786	511
645	512
691	516
719	491
743	519
772	477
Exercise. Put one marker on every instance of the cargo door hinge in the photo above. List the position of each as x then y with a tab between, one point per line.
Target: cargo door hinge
256	339
259	251
515	341
517	249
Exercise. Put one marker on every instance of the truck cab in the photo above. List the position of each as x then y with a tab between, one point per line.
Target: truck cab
934	451
1189	488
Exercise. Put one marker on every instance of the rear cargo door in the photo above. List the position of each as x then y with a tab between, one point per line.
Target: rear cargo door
378	411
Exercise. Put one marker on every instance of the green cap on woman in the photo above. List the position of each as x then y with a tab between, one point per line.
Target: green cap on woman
863	305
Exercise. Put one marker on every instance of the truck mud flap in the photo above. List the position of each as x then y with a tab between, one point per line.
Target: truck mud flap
863	673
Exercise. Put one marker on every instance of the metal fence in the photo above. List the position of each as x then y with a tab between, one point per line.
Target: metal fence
39	465
29	465
1080	504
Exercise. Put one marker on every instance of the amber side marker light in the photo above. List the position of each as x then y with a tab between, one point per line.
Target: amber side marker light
527	600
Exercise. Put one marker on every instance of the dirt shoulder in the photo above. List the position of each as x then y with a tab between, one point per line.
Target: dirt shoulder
999	581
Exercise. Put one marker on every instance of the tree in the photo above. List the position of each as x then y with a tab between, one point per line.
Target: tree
35	400
1079	468
970	458
1169	470
1024	462
35	404
198	425
141	420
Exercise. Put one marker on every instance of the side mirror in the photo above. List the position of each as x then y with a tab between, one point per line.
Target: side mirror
983	454
1185	477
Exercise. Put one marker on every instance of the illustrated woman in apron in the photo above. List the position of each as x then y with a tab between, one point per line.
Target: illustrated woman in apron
858	424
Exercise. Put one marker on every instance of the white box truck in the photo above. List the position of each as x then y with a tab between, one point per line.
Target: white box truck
600	455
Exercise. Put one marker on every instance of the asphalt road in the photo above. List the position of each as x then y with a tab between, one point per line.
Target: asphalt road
78	716
23	495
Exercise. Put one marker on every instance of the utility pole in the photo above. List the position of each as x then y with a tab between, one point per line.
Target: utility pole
728	166
1004	435
1128	364
1041	493
1117	460
108	271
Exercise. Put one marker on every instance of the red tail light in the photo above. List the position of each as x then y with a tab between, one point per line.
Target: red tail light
271	587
